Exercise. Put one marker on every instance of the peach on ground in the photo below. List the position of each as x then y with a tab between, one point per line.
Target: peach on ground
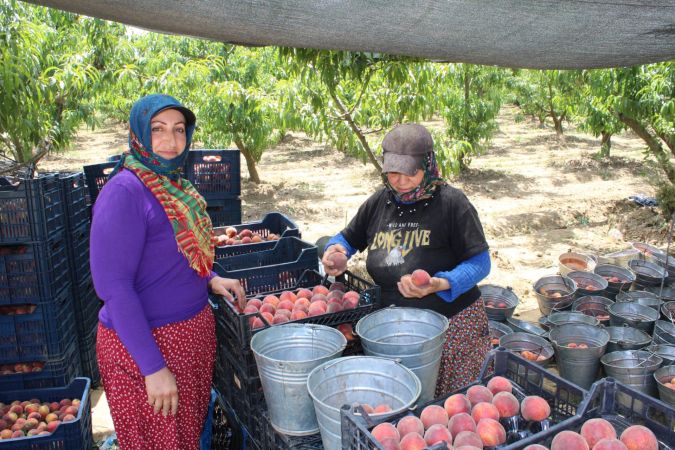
320	289
499	384
569	440
434	414
484	410
304	293
390	444
478	393
609	444
491	432
468	438
535	408
410	424
506	403
456	404
461	422
638	437
594	430
385	430
437	433
413	441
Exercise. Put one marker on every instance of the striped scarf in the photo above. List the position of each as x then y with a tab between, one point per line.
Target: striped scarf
186	210
426	188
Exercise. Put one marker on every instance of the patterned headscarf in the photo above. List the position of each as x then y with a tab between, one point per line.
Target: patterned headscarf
426	188
183	205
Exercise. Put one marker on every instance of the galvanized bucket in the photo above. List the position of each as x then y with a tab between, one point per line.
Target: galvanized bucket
633	315
667	294
653	303
572	261
562	318
668	311
647	252
669	265
518	325
619	258
594	306
497	330
664	332
625	276
588	283
520	342
647	274
554	293
626	338
412	336
634	295
493	296
665	351
633	367
285	355
579	365
358	379
661	376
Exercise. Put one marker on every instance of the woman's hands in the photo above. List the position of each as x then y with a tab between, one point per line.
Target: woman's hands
226	287
328	265
162	391
409	290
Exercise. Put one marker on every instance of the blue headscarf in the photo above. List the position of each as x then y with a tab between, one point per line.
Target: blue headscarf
140	139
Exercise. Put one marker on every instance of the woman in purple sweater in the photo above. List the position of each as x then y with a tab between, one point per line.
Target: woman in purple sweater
151	258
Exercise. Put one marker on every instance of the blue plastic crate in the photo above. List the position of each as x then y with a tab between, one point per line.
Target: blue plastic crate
86	305
45	333
34	272
224	212
96	176
74	435
88	356
214	173
78	253
73	189
31	211
272	223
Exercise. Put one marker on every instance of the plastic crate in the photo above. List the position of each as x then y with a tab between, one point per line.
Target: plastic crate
240	438
78	253
46	333
87	346
97	176
86	305
224	212
74	435
214	173
32	211
289	250
74	188
34	272
527	379
273	222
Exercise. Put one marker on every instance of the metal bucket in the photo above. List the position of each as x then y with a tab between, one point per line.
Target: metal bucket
619	258
667	294
634	295
626	338
413	336
285	355
493	296
562	318
497	330
653	303
524	326
669	265
594	306
634	368
625	276
633	315
588	283
664	332
572	261
665	351
647	274
647	252
668	311
661	376
554	293
358	379
579	365
520	342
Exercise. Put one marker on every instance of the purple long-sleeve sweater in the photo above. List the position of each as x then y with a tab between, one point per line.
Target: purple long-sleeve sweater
138	272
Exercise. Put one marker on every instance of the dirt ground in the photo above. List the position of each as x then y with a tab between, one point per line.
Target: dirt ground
537	195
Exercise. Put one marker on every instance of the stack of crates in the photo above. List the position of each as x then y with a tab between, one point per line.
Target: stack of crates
38	340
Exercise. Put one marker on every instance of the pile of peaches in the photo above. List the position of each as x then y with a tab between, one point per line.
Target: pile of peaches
35	418
245	236
27	367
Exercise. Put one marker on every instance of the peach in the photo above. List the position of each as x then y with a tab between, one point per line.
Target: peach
390	444
254	302
351	294
569	440
320	289
334	307
477	394
51	426
461	422
413	441
385	430
250	309
268	308
304	293
68	418
268	317
285	304
433	414
638	437
535	447
257	323
381	409
535	408
421	278
499	384
609	444
256	238
506	403
367	408
410	424
456	404
6	434
468	438
437	433
298	314
339	261
468	447
335	295
484	410
318	297
283	312
246	240
350	303
37	416
337	286
271	300
491	432
17	434
287	295
301	302
317	308
51	417
595	430
279	319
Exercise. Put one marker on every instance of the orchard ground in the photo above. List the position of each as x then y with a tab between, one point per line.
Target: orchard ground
537	196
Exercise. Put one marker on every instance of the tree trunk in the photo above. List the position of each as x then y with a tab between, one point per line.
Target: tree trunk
557	121
347	117
662	157
669	142
605	144
250	161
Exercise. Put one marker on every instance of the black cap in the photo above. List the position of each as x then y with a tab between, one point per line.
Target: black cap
404	148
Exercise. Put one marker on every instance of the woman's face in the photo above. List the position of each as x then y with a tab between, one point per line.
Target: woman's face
167	129
405	183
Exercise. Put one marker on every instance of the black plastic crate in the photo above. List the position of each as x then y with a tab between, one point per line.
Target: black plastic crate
221	431
45	333
87	346
31	211
240	437
224	212
78	253
274	439
97	176
34	272
526	377
214	173
272	223
278	254
74	435
74	188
